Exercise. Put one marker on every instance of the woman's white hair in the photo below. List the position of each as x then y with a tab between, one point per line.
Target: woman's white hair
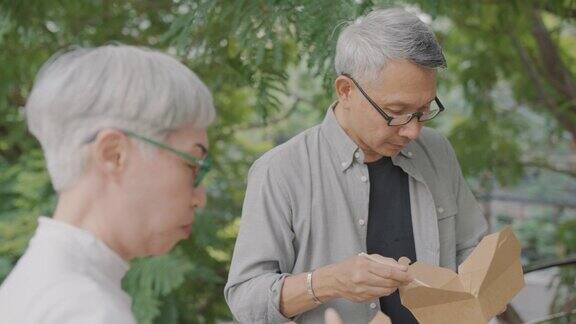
80	92
368	43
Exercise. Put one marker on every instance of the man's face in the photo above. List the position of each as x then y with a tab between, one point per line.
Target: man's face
402	88
161	193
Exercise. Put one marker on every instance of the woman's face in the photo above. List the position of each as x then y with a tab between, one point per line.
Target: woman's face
160	196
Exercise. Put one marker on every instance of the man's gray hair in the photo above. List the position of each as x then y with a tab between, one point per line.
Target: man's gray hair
366	44
80	92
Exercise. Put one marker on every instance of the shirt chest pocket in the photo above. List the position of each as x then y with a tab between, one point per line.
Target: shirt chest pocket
446	211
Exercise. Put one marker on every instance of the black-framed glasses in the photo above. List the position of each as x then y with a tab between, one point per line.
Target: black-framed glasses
200	166
435	109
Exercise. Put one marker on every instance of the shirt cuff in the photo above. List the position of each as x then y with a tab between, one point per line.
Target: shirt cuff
274	314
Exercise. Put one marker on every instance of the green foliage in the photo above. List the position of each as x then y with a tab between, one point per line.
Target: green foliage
258	41
26	194
565	283
31	31
269	65
542	241
489	146
537	236
155	277
494	58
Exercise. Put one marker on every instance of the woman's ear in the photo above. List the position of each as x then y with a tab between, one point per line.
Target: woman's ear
110	152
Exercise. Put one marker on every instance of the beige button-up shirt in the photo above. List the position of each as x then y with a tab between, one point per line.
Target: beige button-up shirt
306	206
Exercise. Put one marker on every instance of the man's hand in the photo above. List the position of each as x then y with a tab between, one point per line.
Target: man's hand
361	278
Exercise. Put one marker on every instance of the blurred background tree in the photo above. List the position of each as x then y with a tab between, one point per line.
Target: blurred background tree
510	90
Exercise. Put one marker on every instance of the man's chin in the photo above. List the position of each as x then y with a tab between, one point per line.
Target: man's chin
389	150
383	150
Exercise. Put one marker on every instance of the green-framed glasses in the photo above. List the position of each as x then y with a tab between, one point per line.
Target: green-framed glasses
201	166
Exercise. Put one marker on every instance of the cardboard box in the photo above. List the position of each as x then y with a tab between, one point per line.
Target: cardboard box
381	318
489	278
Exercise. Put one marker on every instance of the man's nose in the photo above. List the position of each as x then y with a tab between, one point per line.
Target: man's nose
411	130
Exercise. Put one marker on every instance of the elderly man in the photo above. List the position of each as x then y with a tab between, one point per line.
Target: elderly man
123	130
368	179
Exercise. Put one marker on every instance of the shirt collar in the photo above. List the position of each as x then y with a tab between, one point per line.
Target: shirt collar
346	149
408	150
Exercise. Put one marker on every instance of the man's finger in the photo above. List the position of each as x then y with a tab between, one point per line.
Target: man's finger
385	261
387	272
380	282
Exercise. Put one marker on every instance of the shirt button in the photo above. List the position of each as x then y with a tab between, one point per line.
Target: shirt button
373	305
361	222
357	155
409	154
440	210
343	164
363	179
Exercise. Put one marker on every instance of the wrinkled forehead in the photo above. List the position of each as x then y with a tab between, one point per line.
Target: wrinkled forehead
404	83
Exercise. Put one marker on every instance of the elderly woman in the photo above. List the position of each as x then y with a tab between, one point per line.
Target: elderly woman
123	130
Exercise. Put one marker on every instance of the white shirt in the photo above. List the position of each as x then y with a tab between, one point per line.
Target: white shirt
66	275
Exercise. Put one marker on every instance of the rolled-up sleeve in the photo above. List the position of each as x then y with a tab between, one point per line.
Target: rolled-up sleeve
264	252
471	226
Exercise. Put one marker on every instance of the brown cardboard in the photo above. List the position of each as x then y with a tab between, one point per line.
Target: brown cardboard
381	318
489	278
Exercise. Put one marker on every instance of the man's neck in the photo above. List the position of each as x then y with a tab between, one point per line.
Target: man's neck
342	119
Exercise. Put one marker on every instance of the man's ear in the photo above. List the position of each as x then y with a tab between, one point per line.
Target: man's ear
343	87
110	151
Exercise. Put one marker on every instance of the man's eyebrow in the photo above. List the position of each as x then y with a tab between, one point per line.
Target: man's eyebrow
403	105
397	106
397	103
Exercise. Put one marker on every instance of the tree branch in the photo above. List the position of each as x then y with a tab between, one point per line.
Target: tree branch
554	107
525	200
285	115
548	318
560	11
560	77
549	167
570	260
535	76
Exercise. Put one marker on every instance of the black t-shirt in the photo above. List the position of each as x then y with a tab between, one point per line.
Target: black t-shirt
390	226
